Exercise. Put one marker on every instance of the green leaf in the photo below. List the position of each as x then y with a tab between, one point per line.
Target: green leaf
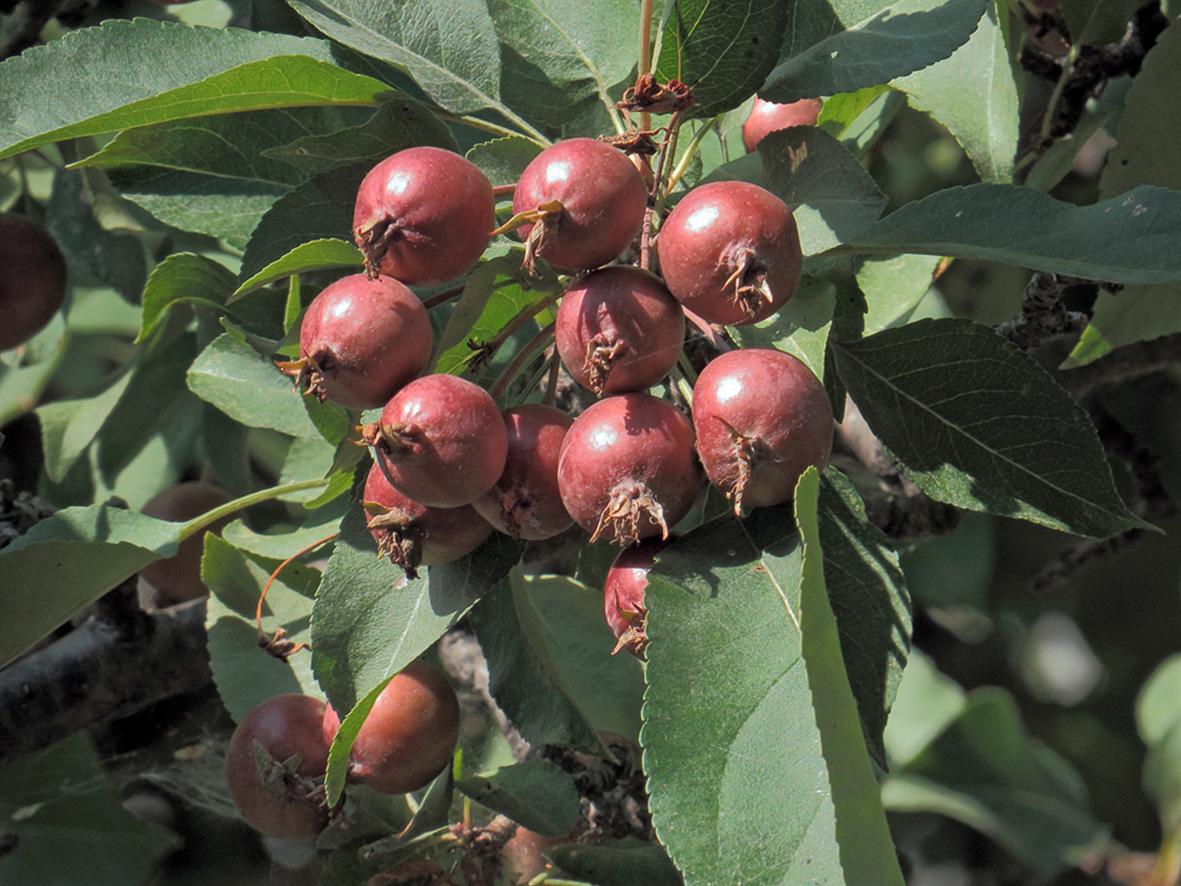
399	123
978	424
1158	706
528	677
840	111
462	76
559	54
835	46
247	387
1162	780
1125	239
986	772
894	288
503	159
316	255
985	126
616	863
721	50
1147	152
369	622
867	852
927	702
244	674
78	85
536	794
743	739
68	561
956	569
491	298
800	328
69	426
182	278
1058	160
867	592
1097	21
56	800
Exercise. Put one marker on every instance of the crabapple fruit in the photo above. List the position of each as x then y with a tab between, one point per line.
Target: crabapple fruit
275	765
730	252
423	216
627	470
623	594
618	329
761	418
361	341
34	280
590	202
178	578
767	117
525	502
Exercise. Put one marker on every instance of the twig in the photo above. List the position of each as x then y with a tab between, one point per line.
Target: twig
1123	364
528	352
463	660
278	644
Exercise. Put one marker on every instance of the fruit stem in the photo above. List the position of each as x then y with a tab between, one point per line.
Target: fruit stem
551	385
487	350
712	334
690	152
527	353
503	190
279	640
230	508
441	298
645	53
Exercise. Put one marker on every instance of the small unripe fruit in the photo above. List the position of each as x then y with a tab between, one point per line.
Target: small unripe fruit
33	284
767	117
423	216
414	535
525	502
730	252
441	441
409	735
592	201
627	469
178	578
618	330
361	341
275	767
761	418
623	594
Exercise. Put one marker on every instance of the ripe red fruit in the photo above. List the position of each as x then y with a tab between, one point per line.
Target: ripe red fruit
730	252
414	535
767	117
178	578
33	286
423	216
361	340
441	441
409	735
525	502
619	329
761	418
623	594
627	469
275	766
591	200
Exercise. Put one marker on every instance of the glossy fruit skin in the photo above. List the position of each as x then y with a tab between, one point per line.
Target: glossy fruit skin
409	735
723	229
285	725
623	594
603	199
631	452
178	578
33	284
416	535
445	441
619	329
767	117
770	403
437	210
525	502
366	339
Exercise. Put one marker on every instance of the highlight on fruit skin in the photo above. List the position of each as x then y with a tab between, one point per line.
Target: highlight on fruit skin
423	216
178	578
619	329
409	735
413	534
623	594
33	284
761	418
361	340
766	117
275	766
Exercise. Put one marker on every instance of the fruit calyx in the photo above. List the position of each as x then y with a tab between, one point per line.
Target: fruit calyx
282	780
308	373
601	353
752	294
630	502
651	97
398	537
391	441
747	453
375	238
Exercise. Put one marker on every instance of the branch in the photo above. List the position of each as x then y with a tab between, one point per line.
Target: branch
463	660
1124	364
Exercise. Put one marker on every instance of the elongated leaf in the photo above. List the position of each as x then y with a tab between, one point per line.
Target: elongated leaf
866	849
616	863
839	45
1158	704
1125	239
977	424
369	622
503	159
894	288
986	125
536	794
800	328
182	278
79	85
315	255
69	426
721	50
68	561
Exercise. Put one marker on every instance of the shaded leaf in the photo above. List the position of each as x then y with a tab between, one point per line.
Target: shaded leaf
894	288
1158	705
503	159
182	278
316	255
616	863
800	327
536	794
